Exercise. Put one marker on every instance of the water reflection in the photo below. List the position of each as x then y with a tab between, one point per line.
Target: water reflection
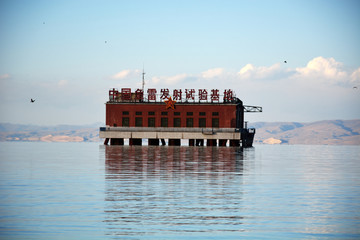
171	190
172	160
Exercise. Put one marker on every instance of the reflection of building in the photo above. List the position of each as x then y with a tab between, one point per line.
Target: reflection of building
151	160
154	190
134	116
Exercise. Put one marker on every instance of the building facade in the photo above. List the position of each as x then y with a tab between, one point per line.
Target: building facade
133	116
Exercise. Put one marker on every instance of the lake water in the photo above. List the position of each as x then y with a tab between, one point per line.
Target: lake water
89	191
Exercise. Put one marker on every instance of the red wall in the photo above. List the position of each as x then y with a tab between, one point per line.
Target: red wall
227	113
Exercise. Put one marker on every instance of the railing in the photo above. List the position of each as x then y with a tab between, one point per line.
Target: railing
252	108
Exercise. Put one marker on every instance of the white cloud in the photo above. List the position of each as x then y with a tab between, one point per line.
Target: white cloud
323	69
62	83
4	76
125	74
165	81
250	71
155	80
212	73
355	76
121	74
317	72
177	78
247	70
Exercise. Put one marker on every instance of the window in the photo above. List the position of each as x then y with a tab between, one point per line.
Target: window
215	113
164	122
125	113
177	122
215	122
125	122
202	122
202	113
164	113
176	113
189	113
152	113
189	122
138	113
138	122
151	122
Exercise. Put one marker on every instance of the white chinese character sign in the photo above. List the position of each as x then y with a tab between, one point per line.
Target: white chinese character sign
202	94
190	94
151	94
215	95
178	95
164	93
228	95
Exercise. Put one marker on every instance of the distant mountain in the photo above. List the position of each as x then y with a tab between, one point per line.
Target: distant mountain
331	132
58	133
8	127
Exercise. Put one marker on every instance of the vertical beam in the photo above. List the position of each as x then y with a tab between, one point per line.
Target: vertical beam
240	115
211	142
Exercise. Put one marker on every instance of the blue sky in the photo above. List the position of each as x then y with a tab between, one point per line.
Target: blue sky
67	54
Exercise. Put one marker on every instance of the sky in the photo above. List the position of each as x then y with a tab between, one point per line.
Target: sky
67	55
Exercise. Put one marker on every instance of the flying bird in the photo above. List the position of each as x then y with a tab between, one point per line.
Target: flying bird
285	61
355	87
32	100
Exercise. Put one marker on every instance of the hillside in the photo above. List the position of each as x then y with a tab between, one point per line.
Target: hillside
59	133
331	132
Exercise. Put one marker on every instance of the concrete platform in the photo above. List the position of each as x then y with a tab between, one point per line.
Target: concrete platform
168	133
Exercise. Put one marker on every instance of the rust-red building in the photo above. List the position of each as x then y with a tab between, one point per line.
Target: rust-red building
212	117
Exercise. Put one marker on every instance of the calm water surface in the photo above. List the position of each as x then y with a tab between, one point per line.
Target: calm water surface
89	191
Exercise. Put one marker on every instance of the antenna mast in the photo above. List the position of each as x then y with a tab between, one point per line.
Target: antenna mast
143	79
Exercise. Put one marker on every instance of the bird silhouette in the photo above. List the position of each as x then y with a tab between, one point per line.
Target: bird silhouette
32	100
285	61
